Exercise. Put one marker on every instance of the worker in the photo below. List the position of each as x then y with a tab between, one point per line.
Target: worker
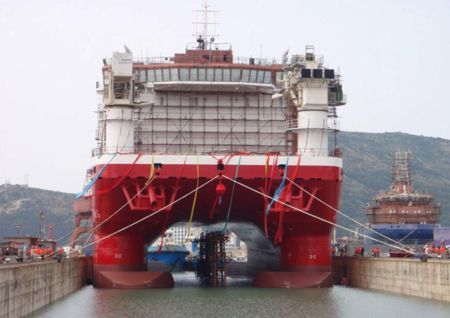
376	251
59	255
359	251
441	251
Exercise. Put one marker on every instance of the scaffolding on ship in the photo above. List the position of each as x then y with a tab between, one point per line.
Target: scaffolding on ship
212	259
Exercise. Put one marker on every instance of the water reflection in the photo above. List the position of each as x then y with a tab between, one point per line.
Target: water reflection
240	300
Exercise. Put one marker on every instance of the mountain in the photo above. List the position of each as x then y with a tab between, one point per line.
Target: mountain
368	159
21	205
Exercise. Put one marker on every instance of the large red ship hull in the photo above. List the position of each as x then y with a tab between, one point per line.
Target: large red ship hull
304	259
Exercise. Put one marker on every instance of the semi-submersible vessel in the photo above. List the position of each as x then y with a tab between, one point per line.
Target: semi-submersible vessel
167	126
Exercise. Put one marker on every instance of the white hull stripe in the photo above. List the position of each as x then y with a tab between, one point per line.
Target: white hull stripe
246	160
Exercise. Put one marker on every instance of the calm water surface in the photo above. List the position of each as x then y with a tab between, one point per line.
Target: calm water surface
240	300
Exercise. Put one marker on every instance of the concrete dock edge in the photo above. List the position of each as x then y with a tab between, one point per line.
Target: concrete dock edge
412	277
27	287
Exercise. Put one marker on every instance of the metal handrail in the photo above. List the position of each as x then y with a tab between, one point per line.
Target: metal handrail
169	60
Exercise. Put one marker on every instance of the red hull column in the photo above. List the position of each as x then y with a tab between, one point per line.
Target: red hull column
305	258
120	262
305	262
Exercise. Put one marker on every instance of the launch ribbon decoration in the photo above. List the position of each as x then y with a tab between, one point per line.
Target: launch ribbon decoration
194	201
232	195
280	187
93	181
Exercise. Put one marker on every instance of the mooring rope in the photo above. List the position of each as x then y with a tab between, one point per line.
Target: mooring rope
149	180
314	216
232	195
166	219
343	214
150	215
194	202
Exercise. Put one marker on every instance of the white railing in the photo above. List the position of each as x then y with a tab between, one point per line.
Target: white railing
236	60
255	61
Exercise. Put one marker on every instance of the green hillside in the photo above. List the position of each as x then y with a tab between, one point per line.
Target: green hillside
367	170
22	205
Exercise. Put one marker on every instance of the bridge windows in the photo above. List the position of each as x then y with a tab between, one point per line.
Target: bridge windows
202	74
151	75
206	74
210	74
245	75
174	74
184	74
193	75
166	74
253	75
235	75
158	75
226	74
218	74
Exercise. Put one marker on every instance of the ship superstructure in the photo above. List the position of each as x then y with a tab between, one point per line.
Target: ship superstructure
182	126
401	213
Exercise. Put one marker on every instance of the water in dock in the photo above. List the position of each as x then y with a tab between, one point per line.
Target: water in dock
239	300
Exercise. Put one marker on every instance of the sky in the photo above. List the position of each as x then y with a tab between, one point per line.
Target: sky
394	56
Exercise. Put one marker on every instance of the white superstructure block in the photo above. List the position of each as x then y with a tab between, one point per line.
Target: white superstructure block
122	64
313	119
119	130
315	94
314	91
312	132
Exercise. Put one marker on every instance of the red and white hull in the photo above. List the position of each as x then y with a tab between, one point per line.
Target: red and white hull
304	242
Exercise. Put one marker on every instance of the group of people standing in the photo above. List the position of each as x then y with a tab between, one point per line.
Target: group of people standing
437	251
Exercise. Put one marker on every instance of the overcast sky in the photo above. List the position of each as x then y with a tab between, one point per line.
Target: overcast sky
394	56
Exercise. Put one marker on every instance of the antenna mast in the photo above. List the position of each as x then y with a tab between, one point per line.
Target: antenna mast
201	31
205	19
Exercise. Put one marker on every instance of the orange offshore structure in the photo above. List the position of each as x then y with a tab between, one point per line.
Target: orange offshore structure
208	137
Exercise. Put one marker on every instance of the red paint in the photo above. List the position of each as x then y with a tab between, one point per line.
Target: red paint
305	242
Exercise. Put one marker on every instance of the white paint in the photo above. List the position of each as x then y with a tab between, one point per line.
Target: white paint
122	64
250	160
310	97
119	129
313	132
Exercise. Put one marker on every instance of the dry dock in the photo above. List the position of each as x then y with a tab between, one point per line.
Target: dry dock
412	277
27	287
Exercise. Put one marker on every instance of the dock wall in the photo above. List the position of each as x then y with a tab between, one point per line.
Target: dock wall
412	277
30	286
